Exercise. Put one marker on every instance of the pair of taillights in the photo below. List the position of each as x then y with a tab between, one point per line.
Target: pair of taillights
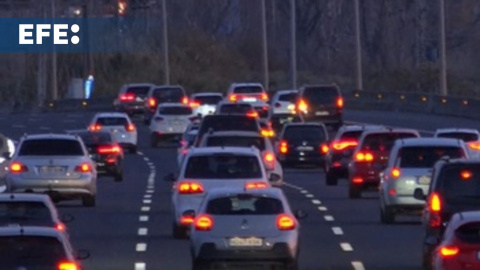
236	97
192	187
127	97
152	102
98	127
18	167
302	104
283	147
109	149
205	222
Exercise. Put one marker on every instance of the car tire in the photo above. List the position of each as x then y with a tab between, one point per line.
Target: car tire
331	178
354	192
387	216
89	201
178	232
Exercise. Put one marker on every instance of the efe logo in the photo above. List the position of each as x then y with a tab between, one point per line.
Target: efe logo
43	30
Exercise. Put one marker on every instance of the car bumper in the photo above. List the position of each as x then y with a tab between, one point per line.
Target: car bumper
302	158
86	185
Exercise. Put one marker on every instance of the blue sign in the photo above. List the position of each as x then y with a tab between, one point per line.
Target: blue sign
89	87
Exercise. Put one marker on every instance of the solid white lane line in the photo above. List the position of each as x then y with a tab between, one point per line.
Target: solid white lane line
142	231
143	218
141	247
145	208
322	208
140	266
358	265
346	246
316	202
309	195
147	196
328	218
337	230
147	201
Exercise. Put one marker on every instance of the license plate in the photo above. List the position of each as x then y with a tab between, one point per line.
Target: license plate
305	148
320	113
52	169
424	180
245	242
249	99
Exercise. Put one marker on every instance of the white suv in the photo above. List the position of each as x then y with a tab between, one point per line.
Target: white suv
247	92
121	127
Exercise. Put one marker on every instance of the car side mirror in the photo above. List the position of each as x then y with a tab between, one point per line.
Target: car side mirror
67	218
82	254
274	177
432	240
300	214
170	177
418	194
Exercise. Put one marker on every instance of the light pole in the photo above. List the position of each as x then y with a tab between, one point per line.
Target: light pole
266	80
166	66
54	60
443	54
358	49
293	45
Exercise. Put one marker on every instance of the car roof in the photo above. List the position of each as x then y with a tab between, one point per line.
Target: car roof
226	102
230	191
31	231
357	127
233	115
304	124
173	105
111	114
167	86
285	92
128	85
430	142
461	218
51	136
25	197
205	94
389	130
460	161
240	84
453	130
223	150
235	133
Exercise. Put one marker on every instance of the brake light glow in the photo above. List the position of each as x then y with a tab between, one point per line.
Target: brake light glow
357	180
285	222
256	185
324	148
127	97
302	106
233	98
190	188
95	127
339	102
267	132
84	168
252	114
363	157
17	167
115	149
203	223
194	104
68	266
60	227
435	204
264	97
185	100
474	145
447	251
130	127
466	174
152	102
395	172
186	220
341	145
269	159
283	147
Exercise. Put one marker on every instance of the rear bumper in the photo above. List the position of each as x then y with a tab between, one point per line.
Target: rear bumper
280	252
306	159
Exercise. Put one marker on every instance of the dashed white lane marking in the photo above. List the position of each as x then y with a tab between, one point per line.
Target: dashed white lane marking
45	128
328	218
140	266
143	218
145	158
303	191
337	230
145	208
147	201
358	265
309	195
140	153
18	126
316	202
142	231
346	246
322	208
150	190
147	196
141	247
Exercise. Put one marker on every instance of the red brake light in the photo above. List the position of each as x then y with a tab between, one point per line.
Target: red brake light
95	127
324	148
190	188
357	180
285	222
203	223
17	167
130	127
270	161
185	100
466	174
341	145
302	106
283	147
264	97
127	97
68	266
474	145
109	149
84	168
339	102
60	227
252	114
256	185
267	133
435	203
194	104
447	251
152	102
395	172
186	220
363	157
233	98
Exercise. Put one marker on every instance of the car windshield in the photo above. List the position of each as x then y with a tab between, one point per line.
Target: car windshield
235	108
31	252
223	166
112	121
464	136
426	156
244	204
305	132
321	95
140	91
248	90
290	97
208	100
172	95
175	110
25	213
460	181
237	141
50	147
96	138
383	142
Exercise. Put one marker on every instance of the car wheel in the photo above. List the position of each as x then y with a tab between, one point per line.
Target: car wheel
89	201
178	232
354	192
331	178
387	215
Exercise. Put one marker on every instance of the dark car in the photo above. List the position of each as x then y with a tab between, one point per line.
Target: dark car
105	151
370	158
321	103
455	187
340	152
163	94
131	98
277	121
302	143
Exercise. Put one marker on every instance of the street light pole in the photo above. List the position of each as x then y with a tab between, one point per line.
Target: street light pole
358	48
443	54
293	45
266	80
54	61
166	66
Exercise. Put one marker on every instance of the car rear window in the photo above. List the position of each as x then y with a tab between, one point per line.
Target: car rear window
94	138
384	141
236	141
112	121
248	90
30	252
141	91
459	182
321	95
208	100
228	123
235	108
179	110
51	147
305	132
25	213
426	156
291	97
244	204
223	166
351	135
464	136
469	233
173	95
